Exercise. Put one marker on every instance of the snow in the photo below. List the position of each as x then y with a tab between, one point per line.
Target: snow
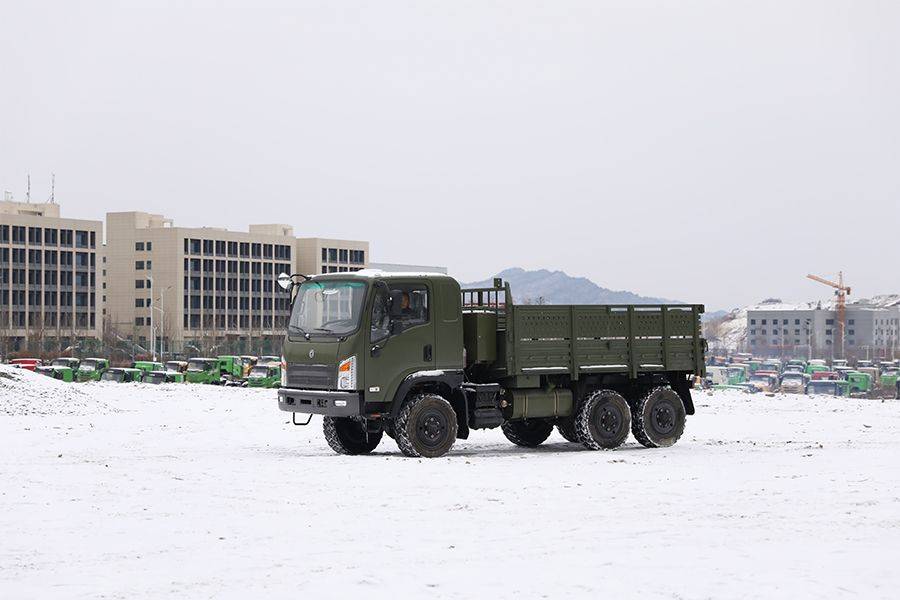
24	392
202	491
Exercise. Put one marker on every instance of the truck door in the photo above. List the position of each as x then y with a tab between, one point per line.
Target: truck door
401	337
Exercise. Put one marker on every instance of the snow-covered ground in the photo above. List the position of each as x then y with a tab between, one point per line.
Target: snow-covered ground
134	491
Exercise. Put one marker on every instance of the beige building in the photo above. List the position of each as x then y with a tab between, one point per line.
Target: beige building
321	255
204	287
50	278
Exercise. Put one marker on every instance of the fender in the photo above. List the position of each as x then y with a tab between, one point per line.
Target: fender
682	386
451	378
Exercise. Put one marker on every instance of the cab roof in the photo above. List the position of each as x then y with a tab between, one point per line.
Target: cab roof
367	274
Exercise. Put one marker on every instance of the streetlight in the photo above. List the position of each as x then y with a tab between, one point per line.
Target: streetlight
162	312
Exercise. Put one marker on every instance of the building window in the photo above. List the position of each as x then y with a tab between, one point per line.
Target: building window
829	321
851	332
851	321
827	332
763	322
139	265
139	321
324	254
796	321
139	303
138	284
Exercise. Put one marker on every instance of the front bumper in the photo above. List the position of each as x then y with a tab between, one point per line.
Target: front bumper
320	402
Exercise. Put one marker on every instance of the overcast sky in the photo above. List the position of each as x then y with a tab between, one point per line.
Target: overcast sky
707	151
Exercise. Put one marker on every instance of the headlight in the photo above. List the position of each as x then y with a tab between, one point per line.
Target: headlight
283	372
346	379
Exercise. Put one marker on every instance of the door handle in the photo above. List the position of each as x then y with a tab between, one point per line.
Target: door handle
376	350
426	353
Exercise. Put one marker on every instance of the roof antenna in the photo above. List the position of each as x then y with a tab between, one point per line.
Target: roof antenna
52	188
28	189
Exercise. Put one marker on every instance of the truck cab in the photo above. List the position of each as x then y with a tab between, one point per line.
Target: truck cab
414	356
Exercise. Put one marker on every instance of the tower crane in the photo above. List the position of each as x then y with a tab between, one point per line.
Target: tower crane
841	291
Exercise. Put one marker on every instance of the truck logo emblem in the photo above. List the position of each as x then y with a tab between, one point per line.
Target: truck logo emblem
312	353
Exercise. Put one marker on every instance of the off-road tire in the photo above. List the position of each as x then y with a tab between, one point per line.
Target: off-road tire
528	434
348	436
658	419
426	426
566	428
603	420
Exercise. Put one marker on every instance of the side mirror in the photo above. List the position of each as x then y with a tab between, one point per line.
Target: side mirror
285	281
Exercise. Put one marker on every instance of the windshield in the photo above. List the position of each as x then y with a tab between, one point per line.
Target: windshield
822	387
200	365
62	362
759	378
792	378
155	377
259	372
113	376
89	365
328	307
173	366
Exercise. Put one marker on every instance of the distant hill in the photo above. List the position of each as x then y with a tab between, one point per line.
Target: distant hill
556	287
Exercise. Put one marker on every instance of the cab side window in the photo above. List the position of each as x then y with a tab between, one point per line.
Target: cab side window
409	305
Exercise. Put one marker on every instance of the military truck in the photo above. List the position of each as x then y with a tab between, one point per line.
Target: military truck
417	358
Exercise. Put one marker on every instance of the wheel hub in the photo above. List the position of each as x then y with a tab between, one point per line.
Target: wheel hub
432	428
664	418
608	421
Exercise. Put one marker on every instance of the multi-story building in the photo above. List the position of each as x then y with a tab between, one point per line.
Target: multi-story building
50	278
871	330
320	255
202	288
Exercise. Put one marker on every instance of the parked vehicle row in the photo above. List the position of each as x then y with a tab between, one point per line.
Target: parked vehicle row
222	370
797	376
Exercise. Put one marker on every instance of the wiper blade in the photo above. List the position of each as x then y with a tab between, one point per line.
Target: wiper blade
325	329
299	330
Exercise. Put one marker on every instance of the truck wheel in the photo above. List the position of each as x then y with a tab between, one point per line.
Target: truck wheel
348	436
603	420
426	426
566	428
658	418
528	434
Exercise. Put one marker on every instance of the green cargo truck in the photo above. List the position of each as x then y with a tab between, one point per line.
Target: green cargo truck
62	373
417	358
264	376
92	369
203	370
858	382
148	366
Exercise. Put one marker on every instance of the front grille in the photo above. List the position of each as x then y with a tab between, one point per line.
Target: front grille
317	377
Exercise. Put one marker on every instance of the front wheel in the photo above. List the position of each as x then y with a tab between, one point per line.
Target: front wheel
426	426
348	436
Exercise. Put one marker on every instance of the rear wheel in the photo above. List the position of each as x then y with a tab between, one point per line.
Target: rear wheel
603	420
566	428
658	419
348	436
528	434
426	426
